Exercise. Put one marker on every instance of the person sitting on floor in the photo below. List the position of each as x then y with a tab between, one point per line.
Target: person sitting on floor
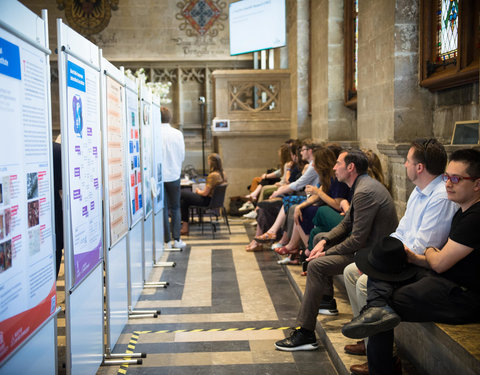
202	197
371	216
439	285
426	221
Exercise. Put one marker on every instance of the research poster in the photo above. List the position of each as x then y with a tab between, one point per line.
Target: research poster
157	159
147	156
84	167
116	160
135	172
27	262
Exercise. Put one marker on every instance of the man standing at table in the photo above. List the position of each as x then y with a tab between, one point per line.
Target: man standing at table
173	146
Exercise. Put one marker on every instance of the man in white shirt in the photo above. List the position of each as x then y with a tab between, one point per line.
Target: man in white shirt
173	146
426	222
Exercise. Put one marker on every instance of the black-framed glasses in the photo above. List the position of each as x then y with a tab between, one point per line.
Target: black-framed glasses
455	179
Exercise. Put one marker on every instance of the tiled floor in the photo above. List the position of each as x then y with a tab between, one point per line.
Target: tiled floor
221	314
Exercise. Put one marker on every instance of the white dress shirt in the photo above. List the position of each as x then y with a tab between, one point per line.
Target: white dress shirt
173	146
427	218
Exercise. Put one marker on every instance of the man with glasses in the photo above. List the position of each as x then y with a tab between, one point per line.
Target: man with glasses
445	286
426	222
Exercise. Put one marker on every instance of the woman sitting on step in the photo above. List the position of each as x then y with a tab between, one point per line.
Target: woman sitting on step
200	197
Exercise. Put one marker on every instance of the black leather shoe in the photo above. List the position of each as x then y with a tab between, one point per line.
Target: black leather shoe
370	321
298	340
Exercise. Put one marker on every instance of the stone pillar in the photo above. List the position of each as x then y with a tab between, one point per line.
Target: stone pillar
298	42
331	120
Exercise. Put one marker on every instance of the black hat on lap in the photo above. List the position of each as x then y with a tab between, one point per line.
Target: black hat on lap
385	260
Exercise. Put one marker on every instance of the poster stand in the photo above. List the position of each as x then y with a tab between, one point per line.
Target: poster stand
136	198
116	223
28	323
79	64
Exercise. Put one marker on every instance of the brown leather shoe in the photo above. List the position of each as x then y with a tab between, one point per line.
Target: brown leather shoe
362	369
184	229
356	349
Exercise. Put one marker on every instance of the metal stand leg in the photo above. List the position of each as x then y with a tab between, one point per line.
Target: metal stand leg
165	264
135	314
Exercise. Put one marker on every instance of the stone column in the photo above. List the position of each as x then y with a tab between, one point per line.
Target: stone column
331	120
298	41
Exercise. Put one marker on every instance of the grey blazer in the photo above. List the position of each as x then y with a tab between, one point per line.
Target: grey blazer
374	217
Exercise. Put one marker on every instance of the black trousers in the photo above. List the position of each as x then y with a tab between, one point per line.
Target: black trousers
426	297
189	198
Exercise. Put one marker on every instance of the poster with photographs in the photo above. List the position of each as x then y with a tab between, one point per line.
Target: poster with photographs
84	166
116	161
27	262
157	157
135	172
146	134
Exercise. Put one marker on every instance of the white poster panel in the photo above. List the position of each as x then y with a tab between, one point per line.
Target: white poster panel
117	195
147	155
84	168
157	156
135	171
27	265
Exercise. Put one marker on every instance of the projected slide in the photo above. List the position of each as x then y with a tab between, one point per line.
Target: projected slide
84	155
27	266
256	25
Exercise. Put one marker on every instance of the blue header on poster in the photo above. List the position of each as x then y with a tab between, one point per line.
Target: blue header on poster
10	59
75	76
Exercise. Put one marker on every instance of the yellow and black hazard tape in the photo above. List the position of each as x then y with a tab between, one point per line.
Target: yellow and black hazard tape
136	335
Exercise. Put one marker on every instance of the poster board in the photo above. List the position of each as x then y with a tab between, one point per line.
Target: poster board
27	261
134	177
80	119
146	134
114	152
81	133
157	155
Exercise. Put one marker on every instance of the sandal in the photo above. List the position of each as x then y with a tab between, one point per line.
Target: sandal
266	237
284	251
255	247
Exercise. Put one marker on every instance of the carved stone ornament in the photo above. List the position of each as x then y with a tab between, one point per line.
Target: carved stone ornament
199	16
88	16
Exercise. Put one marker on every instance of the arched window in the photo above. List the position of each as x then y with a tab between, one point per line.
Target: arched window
449	43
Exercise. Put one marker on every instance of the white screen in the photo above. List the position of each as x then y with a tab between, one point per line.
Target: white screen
256	25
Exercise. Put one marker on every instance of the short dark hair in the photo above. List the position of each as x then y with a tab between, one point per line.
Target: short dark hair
359	159
166	115
430	153
471	157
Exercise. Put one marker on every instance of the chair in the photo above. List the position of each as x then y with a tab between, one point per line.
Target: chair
215	208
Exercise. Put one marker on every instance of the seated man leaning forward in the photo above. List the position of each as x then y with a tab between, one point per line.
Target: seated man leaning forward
440	286
426	222
371	216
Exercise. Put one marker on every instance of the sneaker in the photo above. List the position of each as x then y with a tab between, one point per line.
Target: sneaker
328	307
179	244
167	245
298	340
284	261
247	206
251	215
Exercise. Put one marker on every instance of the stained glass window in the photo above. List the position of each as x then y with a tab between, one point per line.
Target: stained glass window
447	29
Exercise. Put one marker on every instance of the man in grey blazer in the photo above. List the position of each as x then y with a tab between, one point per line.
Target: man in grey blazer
371	216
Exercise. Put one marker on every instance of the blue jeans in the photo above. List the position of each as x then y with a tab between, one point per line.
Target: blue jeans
171	203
